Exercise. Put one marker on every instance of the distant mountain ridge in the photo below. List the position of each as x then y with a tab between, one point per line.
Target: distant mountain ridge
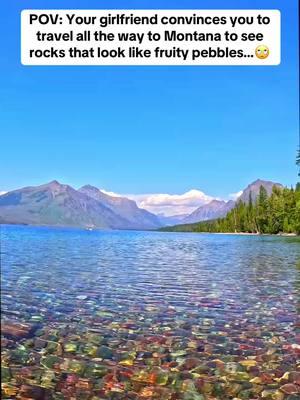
212	210
219	208
123	207
254	188
61	205
271	209
171	220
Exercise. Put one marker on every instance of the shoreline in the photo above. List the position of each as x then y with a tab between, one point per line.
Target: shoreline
255	234
237	233
147	230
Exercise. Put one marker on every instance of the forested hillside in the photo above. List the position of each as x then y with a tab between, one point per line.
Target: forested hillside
278	213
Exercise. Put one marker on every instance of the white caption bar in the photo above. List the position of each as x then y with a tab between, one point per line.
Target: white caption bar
150	37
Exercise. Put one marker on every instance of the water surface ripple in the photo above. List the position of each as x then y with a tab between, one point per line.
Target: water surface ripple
148	315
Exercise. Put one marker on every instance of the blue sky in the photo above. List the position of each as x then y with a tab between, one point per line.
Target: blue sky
148	129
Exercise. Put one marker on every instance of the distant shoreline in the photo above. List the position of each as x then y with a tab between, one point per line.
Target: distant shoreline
149	230
243	233
255	234
234	233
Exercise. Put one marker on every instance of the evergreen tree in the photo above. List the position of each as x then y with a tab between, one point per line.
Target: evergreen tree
278	213
298	161
262	210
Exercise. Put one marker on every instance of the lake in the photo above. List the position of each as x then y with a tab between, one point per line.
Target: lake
148	315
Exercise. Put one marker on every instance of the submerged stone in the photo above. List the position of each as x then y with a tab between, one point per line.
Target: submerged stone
50	361
16	330
95	371
5	374
70	347
8	390
158	331
105	352
290	388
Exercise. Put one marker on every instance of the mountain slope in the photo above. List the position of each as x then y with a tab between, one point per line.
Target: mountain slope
254	187
125	208
58	205
166	220
212	210
275	214
220	209
61	205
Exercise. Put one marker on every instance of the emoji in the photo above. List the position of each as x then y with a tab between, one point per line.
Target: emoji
262	51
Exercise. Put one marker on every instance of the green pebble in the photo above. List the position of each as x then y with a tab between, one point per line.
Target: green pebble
76	367
70	347
20	355
90	349
105	352
218	390
240	376
104	314
5	374
95	371
178	353
95	339
52	337
193	396
52	347
58	396
39	332
245	394
49	361
131	355
37	318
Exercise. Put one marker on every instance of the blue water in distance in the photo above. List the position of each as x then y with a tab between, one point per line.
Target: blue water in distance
127	286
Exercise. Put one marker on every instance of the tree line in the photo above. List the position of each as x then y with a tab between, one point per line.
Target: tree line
274	214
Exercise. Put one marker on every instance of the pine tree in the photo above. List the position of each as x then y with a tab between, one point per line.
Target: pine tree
278	213
262	210
298	161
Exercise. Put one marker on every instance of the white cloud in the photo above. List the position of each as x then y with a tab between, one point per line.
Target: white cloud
167	204
171	204
234	196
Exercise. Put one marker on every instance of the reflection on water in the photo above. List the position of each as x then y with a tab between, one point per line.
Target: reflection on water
141	315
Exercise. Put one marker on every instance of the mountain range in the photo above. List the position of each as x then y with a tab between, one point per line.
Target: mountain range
219	208
214	209
127	209
56	204
61	205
